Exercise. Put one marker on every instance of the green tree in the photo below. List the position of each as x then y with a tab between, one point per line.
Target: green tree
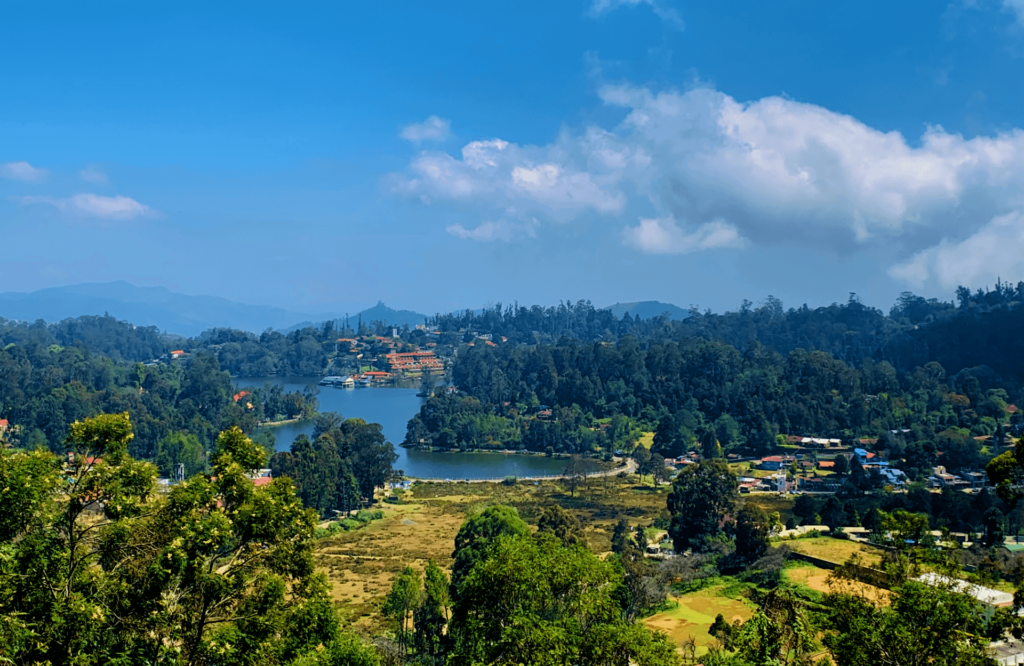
841	466
702	495
534	601
432	615
995	527
402	600
477	533
620	536
779	634
832	515
752	528
180	448
99	569
564	525
640	539
917	624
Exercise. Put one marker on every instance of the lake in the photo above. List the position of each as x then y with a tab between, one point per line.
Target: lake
392	408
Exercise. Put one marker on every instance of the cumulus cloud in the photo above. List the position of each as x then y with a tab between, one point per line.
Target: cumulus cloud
92	174
93	205
663	236
502	230
22	171
667	14
431	129
992	252
695	170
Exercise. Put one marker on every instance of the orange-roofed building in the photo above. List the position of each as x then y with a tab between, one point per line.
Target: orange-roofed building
262	481
238	396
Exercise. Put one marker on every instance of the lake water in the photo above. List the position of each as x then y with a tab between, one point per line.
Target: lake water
392	408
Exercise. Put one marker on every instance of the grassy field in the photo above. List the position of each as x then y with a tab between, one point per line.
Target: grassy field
835	550
695	612
361	564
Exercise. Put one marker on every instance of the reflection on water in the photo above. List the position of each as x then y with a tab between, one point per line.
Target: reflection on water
392	408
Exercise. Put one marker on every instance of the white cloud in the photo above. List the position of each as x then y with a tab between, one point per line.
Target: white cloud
93	205
1017	8
431	129
700	169
663	236
667	14
93	174
502	230
992	252
22	171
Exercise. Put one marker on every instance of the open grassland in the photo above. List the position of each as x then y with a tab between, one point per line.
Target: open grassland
806	575
362	563
835	550
695	612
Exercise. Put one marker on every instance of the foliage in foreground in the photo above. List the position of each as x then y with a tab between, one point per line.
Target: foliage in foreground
97	568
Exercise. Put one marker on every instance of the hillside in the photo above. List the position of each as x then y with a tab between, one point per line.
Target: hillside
648	309
379	312
144	306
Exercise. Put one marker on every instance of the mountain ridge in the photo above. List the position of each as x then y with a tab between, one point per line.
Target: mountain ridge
169	311
648	309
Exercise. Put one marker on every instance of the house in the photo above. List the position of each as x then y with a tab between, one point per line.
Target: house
976	479
818	485
940	478
826	464
772	463
893	477
178	353
262	481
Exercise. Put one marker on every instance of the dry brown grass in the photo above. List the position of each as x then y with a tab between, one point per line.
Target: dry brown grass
361	564
836	550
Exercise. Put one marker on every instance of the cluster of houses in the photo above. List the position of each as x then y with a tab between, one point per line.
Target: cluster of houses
896	478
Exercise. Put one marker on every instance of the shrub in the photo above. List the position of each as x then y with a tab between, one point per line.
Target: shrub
366	515
510	481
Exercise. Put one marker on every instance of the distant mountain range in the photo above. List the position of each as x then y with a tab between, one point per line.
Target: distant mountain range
379	312
169	311
648	309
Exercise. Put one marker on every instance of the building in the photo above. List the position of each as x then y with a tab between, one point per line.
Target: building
893	477
774	463
988	599
417	362
976	479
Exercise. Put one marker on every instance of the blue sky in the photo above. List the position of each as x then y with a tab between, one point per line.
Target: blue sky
445	155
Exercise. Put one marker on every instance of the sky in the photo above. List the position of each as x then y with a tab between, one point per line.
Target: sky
324	156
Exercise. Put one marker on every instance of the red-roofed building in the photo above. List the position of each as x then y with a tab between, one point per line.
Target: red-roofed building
261	481
238	396
826	464
414	362
773	462
178	353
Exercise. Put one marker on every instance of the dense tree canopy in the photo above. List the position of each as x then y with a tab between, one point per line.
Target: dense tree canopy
97	568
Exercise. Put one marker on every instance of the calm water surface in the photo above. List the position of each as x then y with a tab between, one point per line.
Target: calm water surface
392	408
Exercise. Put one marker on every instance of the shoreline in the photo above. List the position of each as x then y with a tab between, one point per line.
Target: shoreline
507	452
273	424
